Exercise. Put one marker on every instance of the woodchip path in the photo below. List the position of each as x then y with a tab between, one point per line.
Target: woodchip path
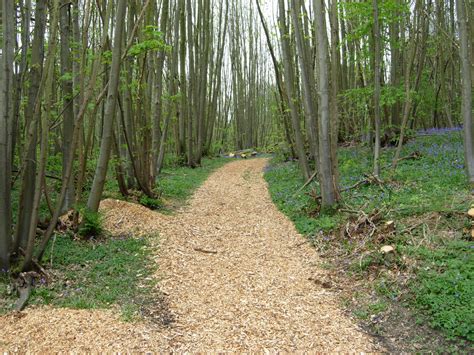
236	275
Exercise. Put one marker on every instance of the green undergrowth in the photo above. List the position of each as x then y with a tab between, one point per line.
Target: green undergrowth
93	270
93	274
175	184
444	286
431	271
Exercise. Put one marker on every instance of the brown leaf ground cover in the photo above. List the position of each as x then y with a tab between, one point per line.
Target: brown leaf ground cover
236	274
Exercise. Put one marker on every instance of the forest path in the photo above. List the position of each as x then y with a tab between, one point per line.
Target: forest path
236	276
239	276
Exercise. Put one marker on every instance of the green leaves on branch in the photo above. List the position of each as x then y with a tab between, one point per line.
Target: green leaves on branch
107	57
66	77
153	41
359	98
360	15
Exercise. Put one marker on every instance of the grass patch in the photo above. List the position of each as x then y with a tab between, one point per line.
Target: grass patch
180	182
427	199
175	185
94	274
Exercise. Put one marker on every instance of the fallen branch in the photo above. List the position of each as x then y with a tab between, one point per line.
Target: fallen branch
307	182
300	244
205	251
47	175
370	179
413	156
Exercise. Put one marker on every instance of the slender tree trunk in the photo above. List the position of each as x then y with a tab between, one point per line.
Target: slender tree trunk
337	78
6	111
466	69
29	171
412	50
377	62
326	173
191	96
307	78
283	102
394	31
75	139
25	9
159	90
184	116
203	70
107	136
46	87
290	87
66	82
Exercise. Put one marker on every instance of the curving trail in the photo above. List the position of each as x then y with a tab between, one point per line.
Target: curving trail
237	277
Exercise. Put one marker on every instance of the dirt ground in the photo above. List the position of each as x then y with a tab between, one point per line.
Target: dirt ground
235	273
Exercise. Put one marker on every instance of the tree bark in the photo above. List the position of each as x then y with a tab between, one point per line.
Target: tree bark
159	90
466	88
46	89
6	112
66	83
326	173
307	77
29	161
377	62
109	116
290	88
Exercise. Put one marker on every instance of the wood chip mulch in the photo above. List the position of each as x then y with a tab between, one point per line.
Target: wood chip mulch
236	274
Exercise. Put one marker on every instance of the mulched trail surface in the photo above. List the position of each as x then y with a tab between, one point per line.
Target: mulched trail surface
235	273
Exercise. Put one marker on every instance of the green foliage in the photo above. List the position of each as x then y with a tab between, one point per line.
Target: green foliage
360	99
107	57
91	225
178	183
361	14
153	41
97	274
66	77
152	203
444	287
371	309
92	274
284	180
5	292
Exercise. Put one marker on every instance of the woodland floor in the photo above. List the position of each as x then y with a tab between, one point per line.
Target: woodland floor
234	275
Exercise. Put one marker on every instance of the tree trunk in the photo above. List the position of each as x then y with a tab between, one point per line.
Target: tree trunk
46	87
159	90
6	111
408	95
283	102
326	173
29	162
66	82
290	88
466	69
307	78
107	136
191	96
377	61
